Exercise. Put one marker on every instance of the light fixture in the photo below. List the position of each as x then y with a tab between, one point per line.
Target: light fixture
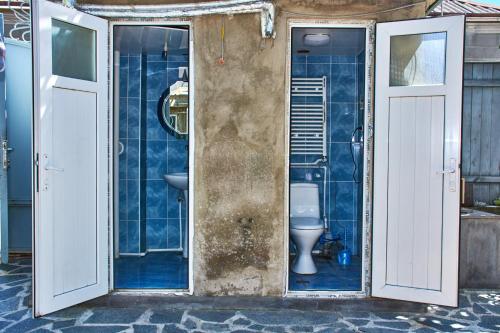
316	39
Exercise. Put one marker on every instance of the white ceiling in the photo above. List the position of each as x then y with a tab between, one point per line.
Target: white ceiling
150	39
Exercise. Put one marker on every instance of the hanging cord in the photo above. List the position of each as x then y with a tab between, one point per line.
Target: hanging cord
222	33
337	222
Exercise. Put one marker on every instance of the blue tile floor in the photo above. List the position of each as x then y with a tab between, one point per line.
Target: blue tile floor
330	276
157	270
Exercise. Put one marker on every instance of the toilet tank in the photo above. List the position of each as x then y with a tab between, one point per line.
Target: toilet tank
304	200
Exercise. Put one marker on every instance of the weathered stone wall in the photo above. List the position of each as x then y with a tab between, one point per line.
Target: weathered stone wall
240	147
239	159
240	141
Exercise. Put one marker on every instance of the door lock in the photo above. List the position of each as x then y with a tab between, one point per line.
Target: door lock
5	157
452	170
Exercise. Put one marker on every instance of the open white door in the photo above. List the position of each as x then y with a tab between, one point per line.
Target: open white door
418	107
71	157
4	164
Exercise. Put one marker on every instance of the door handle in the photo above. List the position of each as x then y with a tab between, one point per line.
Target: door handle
5	158
446	171
452	168
53	168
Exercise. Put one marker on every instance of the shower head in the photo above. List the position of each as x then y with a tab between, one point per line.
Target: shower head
356	130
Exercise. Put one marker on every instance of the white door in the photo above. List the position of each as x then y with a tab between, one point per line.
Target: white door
71	149
416	210
4	163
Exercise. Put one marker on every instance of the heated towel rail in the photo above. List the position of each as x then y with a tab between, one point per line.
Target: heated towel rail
308	117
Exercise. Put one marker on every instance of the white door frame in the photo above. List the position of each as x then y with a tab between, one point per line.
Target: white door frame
369	26
4	193
114	152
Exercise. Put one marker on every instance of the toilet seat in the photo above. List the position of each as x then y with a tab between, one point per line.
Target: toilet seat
306	223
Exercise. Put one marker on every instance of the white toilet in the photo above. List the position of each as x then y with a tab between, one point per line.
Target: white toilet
305	225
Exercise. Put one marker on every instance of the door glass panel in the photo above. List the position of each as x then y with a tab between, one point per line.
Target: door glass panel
418	60
73	51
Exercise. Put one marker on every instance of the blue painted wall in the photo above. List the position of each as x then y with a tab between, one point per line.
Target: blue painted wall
345	99
149	208
19	111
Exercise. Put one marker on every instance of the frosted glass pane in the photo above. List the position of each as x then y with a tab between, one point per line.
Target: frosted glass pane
73	51
418	60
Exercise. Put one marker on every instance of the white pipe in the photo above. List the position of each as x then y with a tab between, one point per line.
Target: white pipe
229	7
116	138
315	164
181	240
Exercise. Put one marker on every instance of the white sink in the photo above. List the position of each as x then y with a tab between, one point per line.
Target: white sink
179	180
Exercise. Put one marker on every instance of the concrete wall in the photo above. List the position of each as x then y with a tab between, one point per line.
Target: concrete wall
480	251
240	149
240	141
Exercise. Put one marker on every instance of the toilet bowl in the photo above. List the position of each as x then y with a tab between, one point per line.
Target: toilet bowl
305	225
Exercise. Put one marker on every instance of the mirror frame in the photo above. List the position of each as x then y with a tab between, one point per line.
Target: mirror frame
163	121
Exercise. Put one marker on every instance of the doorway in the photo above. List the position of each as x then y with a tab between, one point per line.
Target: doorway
152	112
326	158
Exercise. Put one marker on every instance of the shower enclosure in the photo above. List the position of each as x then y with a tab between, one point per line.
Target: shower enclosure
327	150
151	100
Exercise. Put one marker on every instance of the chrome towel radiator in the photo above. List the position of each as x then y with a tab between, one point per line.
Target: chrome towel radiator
308	135
308	118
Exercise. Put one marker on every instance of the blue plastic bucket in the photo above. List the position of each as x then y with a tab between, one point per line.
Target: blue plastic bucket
344	257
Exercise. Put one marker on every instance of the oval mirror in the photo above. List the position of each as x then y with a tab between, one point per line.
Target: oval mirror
173	108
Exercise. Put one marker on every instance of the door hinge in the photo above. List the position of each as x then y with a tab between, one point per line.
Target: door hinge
370	131
36	172
5	157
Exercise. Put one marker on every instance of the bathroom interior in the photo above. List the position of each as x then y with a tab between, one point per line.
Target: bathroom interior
327	101
151	101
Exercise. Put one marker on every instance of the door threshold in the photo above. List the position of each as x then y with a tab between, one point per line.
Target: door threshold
260	303
326	294
166	292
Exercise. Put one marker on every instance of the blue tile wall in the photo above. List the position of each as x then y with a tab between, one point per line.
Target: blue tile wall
129	161
345	101
143	154
149	208
165	154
